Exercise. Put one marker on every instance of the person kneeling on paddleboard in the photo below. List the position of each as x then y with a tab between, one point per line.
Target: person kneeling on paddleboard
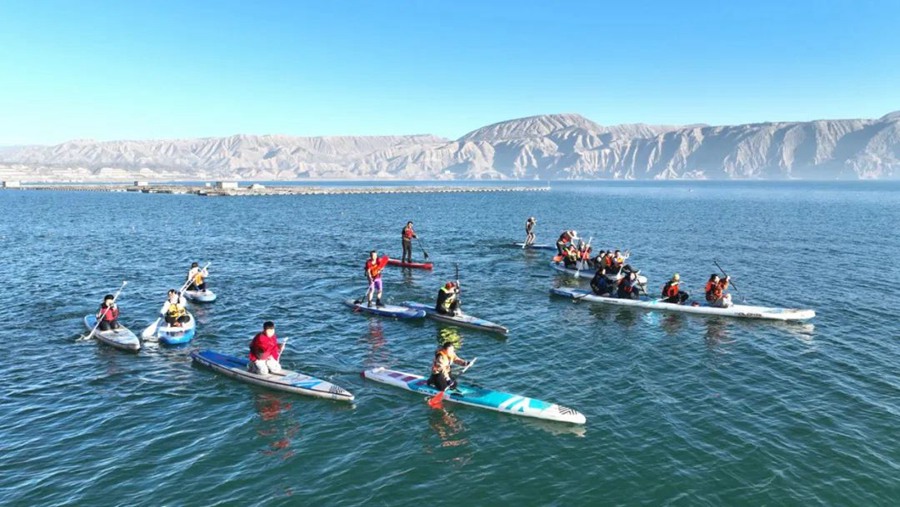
374	267
173	309
407	236
601	285
672	292
629	288
448	300
715	291
197	277
444	357
108	314
264	351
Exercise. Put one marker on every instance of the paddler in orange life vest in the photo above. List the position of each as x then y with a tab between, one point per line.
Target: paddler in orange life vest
108	314
715	291
448	300
444	357
374	267
197	277
564	240
265	351
407	236
571	256
672	292
629	288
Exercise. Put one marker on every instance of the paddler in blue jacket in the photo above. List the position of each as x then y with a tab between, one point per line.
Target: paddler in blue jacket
601	285
444	357
448	300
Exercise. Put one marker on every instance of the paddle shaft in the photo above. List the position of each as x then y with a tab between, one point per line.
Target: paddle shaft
729	281
100	319
422	244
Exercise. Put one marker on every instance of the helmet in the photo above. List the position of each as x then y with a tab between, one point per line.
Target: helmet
676	277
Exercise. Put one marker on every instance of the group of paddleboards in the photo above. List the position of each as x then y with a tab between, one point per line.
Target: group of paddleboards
615	283
174	326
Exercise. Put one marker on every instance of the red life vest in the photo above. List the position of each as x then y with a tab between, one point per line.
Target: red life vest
408	233
108	314
374	268
671	289
442	362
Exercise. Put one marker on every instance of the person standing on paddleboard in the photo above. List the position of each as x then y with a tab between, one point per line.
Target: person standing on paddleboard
108	314
444	357
407	236
374	267
529	230
564	239
197	277
448	300
264	351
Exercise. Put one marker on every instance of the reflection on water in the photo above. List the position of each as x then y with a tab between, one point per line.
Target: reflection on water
451	439
275	424
449	334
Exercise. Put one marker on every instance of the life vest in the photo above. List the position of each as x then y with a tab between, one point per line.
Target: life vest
408	233
446	297
627	285
714	290
374	268
572	254
108	314
709	291
671	289
175	310
442	362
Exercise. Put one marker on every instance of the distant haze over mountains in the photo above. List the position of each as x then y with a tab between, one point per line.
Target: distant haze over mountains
559	146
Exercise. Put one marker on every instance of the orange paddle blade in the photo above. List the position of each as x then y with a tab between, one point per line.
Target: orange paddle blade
435	401
557	258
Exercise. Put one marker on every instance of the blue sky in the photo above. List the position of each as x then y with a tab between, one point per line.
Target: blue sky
174	69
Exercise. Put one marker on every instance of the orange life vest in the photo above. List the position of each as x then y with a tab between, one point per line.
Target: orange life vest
442	362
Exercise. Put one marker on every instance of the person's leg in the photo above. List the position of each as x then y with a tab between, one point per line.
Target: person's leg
170	320
115	323
274	366
202	286
378	286
260	366
370	292
103	326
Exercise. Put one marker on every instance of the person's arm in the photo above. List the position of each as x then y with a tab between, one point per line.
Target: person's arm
164	309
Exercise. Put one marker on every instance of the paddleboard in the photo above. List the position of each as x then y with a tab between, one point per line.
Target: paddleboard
535	246
459	320
177	335
417	265
290	381
121	338
400	312
200	296
479	397
740	311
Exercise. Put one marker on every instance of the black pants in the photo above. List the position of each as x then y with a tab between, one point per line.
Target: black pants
170	320
454	307
194	286
106	325
439	382
678	299
407	250
601	291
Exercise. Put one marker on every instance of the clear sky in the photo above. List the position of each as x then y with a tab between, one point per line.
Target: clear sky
188	68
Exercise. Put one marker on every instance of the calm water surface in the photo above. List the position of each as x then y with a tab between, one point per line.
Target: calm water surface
681	410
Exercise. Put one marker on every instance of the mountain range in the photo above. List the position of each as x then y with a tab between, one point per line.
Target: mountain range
546	147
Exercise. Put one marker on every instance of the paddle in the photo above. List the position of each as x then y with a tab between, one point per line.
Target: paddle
435	401
422	244
100	319
458	290
729	281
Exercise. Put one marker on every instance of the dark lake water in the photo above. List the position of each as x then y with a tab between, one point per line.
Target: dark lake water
681	410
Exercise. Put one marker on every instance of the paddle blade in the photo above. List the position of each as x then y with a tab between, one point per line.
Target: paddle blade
557	258
436	401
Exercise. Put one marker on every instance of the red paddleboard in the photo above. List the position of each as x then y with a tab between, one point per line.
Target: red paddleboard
418	265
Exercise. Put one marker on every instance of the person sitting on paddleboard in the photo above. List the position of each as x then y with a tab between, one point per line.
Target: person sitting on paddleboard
672	292
197	277
571	256
264	351
108	314
564	239
444	357
601	285
529	230
374	267
715	291
629	288
617	263
173	309
407	236
448	300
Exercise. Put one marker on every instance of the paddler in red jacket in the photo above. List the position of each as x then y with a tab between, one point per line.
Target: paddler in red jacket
715	291
444	357
264	351
374	267
407	236
108	314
